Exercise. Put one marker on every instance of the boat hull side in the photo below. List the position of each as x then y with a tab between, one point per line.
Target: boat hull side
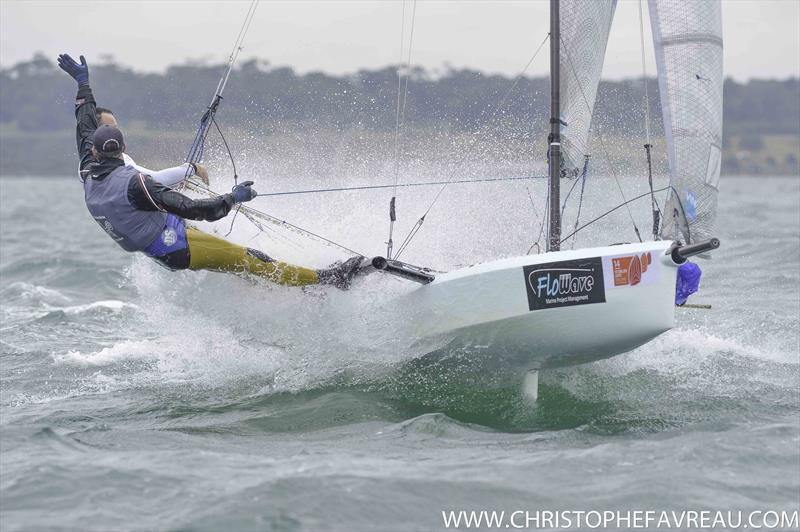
502	312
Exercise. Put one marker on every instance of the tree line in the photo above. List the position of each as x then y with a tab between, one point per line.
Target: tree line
35	93
35	96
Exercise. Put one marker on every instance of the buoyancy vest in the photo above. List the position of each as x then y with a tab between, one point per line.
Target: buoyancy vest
107	201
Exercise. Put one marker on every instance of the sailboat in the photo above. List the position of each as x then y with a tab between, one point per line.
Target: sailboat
565	307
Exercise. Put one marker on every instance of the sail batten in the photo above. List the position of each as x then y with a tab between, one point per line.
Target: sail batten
687	36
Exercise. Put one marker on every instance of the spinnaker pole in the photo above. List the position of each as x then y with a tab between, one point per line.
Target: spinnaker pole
554	139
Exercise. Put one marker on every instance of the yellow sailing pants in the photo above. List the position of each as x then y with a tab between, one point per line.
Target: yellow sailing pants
211	253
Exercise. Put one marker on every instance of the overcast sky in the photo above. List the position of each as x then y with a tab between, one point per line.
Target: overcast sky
762	37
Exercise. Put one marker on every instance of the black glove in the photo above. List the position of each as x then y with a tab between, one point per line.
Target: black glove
79	72
242	192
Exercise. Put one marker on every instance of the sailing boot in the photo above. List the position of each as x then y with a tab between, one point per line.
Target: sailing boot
340	274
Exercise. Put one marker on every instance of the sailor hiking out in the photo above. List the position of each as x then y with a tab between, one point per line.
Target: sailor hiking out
140	212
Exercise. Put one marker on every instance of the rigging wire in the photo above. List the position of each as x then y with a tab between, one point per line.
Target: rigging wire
582	179
254	215
624	204
415	229
644	75
569	193
227	148
408	65
648	146
419	184
544	219
197	148
580	198
235	173
402	99
603	146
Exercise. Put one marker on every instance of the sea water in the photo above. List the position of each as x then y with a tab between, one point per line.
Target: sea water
134	398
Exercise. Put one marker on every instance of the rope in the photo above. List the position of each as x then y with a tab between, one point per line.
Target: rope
420	184
253	215
418	224
603	146
640	196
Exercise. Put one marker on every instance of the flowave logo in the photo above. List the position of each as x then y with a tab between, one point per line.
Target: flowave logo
561	282
566	283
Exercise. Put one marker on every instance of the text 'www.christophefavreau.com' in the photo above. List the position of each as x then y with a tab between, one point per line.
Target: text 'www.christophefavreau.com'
626	519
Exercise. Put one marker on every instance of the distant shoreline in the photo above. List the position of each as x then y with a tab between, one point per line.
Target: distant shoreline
279	114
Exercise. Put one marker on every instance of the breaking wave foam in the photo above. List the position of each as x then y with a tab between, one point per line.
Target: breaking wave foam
213	327
127	350
111	305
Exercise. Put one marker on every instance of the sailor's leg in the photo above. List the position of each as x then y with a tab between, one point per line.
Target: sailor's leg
211	253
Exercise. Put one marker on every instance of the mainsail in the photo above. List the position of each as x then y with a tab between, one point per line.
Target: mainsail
584	34
688	43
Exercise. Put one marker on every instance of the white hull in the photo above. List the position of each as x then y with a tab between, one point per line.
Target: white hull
553	309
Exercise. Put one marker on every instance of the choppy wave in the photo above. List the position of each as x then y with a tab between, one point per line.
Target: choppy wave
34	294
188	398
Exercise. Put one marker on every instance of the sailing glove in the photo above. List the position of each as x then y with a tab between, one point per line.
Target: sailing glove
79	72
243	192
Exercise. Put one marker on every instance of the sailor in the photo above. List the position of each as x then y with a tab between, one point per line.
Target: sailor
169	176
143	215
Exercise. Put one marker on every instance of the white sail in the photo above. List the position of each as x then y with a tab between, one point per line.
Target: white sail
687	35
585	26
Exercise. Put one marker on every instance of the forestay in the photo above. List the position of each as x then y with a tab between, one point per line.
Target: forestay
585	27
688	44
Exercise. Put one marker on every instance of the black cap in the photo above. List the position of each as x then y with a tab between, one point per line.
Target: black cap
108	140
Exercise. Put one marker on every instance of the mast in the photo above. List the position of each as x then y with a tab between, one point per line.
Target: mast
554	139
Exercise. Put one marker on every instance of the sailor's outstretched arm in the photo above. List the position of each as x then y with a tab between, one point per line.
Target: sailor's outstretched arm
86	125
146	194
84	108
169	177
